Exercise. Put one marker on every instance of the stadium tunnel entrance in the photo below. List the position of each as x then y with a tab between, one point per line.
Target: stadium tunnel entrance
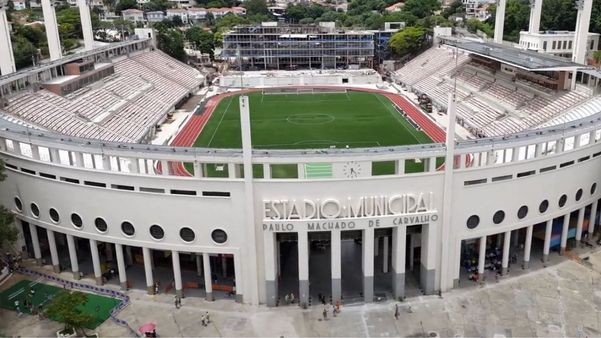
287	266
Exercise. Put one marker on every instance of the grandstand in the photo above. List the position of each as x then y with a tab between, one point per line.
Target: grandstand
125	106
495	96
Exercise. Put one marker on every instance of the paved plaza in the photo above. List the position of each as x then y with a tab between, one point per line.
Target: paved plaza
560	300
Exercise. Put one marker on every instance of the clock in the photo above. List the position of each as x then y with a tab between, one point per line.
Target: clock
352	169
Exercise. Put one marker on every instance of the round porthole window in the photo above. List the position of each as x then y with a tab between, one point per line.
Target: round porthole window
100	224
522	211
76	220
128	228
35	210
187	234
562	200
578	194
54	216
544	205
498	217
593	188
219	236
473	221
157	232
18	204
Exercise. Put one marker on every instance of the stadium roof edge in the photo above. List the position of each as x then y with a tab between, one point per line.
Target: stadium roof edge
527	60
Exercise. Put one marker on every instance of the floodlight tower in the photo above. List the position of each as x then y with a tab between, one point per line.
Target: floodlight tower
536	7
54	42
7	59
583	20
500	21
86	24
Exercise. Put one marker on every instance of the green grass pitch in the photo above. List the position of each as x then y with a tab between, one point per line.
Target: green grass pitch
97	306
310	121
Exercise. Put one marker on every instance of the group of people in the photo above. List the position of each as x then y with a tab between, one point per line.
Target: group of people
493	262
205	319
13	262
335	310
289	298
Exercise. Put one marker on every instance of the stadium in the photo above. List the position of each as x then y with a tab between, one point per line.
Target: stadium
322	183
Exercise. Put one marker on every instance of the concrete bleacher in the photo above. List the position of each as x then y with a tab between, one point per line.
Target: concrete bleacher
123	107
489	102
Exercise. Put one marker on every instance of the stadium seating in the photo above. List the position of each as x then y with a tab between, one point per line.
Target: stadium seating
122	107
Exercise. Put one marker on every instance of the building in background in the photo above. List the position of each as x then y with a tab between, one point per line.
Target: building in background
273	45
558	43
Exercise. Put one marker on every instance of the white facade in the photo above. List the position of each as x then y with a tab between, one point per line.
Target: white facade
560	43
134	15
182	13
300	78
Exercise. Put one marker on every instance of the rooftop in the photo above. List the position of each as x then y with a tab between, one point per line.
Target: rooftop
524	59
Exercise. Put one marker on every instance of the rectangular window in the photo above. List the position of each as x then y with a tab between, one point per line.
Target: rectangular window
27	171
582	159
597	154
47	175
526	173
566	164
183	192
553	45
122	187
474	182
502	178
152	190
70	180
216	194
544	45
11	166
94	184
544	170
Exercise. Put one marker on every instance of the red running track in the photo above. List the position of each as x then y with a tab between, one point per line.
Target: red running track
190	132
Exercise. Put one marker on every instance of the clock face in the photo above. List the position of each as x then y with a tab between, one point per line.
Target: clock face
351	169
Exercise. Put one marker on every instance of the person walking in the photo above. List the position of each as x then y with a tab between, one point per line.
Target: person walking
287	299
291	297
203	320
207	317
334	312
325	313
397	314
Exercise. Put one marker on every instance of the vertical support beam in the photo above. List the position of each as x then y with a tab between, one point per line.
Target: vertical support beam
35	152
547	244
73	257
564	233
121	266
7	58
198	265
432	164
399	241
336	256
53	251
500	21
37	252
54	43
481	258
301	170
198	172
96	261
368	264
266	170
303	267
238	278
177	273
385	255
592	219
580	224
164	167
206	260
581	33
271	283
134	165
86	24
400	167
146	253
505	259
528	246
106	163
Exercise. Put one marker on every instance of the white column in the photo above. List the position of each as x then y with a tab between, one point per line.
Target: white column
564	233
86	24
198	265
54	43
7	58
300	170
528	246
206	259
500	21
134	165
238	278
336	256
385	255
96	261
303	267
368	264
121	266
536	7
37	252
148	270
481	257
592	219
505	260
581	34
198	169
547	244
106	162
400	167
164	167
177	272
53	251
73	256
580	224
399	241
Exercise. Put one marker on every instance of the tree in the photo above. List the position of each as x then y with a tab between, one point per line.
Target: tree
8	233
177	21
254	7
171	42
421	8
24	51
201	40
407	41
65	308
597	56
125	4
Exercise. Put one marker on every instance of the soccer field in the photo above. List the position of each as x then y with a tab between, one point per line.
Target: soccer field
99	307
296	121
